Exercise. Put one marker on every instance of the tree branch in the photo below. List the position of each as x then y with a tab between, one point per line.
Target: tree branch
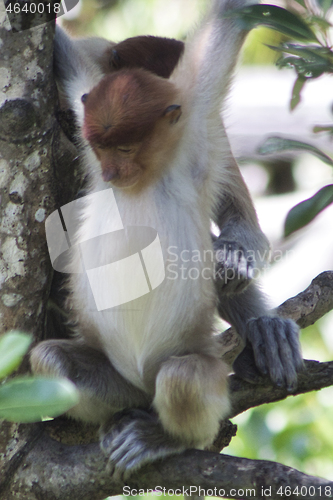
311	304
72	472
49	469
316	376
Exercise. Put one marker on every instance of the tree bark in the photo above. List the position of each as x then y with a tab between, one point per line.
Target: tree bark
26	173
48	469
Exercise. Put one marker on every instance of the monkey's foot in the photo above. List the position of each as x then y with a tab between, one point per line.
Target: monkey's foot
133	438
273	343
234	271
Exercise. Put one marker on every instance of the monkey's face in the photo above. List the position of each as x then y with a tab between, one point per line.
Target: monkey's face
120	164
129	120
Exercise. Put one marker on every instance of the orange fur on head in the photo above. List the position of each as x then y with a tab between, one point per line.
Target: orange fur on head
125	106
128	118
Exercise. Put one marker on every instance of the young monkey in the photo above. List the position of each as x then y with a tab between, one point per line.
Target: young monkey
160	144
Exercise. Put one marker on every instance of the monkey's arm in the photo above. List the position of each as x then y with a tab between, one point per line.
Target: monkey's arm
76	71
210	57
241	249
271	343
95	50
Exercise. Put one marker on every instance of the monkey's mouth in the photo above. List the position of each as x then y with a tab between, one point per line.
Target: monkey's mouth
119	178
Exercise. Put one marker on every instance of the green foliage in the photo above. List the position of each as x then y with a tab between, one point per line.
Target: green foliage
29	399
310	59
276	18
304	212
13	347
309	62
278	144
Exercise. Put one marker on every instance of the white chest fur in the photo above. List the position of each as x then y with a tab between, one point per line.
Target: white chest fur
159	318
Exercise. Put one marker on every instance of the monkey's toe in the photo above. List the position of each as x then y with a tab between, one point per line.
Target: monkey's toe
134	439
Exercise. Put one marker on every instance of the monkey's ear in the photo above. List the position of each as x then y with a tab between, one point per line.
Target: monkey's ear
173	113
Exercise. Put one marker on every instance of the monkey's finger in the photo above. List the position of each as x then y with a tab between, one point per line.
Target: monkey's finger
263	336
255	330
286	356
272	337
292	333
128	450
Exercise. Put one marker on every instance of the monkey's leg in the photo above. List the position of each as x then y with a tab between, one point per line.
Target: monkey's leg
190	400
192	397
103	391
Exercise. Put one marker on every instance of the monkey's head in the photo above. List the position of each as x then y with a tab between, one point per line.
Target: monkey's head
129	121
153	53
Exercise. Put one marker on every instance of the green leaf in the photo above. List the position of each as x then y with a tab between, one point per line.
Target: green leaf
310	53
310	62
323	128
30	399
13	346
276	18
304	68
296	92
278	144
303	213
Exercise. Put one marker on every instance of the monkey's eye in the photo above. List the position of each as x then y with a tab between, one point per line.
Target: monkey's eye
124	149
84	98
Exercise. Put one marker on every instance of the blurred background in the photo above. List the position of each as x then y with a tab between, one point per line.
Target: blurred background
298	431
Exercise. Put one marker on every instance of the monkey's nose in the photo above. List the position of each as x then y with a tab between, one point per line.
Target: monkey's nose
110	173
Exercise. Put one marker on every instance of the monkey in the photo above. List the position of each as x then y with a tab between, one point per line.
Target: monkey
149	371
156	54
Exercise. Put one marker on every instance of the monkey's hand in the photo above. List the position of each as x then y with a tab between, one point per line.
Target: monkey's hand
234	269
272	350
133	438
